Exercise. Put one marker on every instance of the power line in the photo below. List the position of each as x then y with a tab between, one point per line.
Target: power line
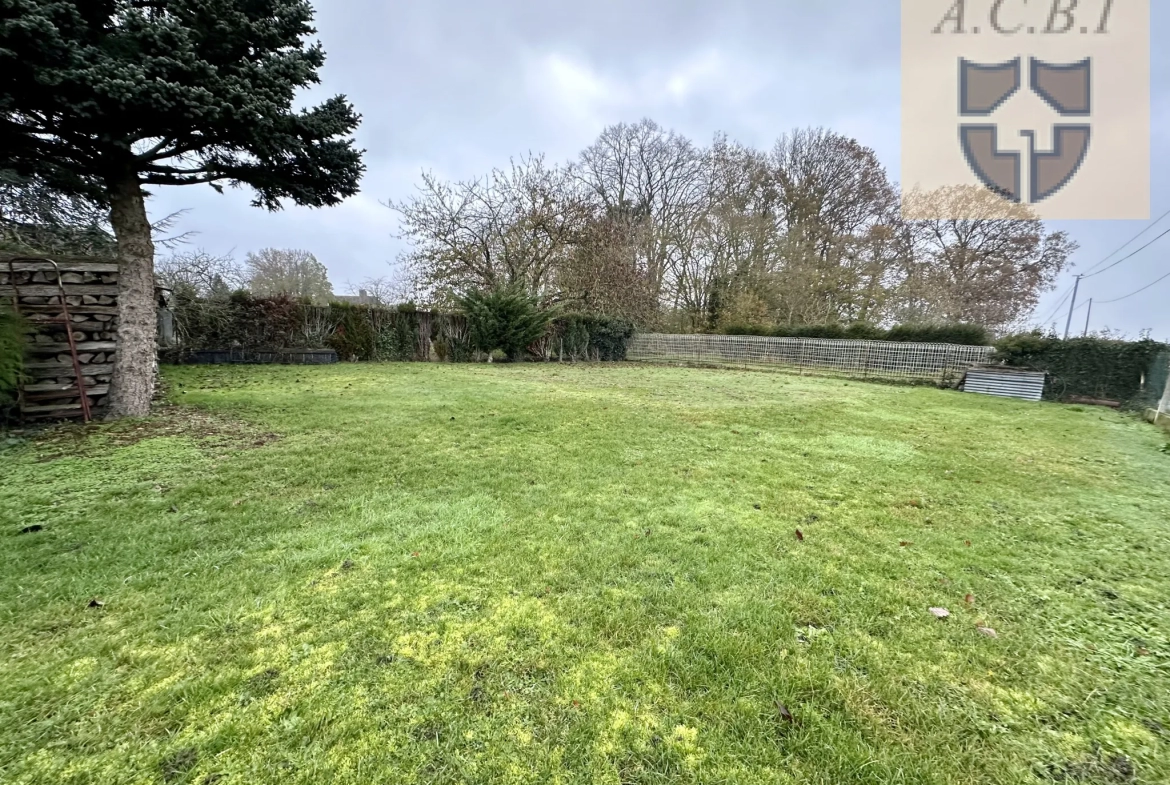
1059	305
1157	221
1139	291
1129	256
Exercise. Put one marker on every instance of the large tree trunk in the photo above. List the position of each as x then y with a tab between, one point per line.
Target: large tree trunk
135	364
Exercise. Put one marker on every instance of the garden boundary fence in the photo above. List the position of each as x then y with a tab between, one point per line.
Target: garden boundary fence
879	360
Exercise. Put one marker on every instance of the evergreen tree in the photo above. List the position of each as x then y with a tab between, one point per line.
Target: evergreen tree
102	99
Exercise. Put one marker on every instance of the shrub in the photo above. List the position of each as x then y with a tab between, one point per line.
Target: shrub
744	329
1091	367
609	337
575	342
353	339
829	331
398	338
13	333
862	331
505	318
452	338
960	334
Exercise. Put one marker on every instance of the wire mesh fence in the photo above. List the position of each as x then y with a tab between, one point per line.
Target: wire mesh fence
885	360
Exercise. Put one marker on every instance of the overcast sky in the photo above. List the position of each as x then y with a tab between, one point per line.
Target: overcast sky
459	86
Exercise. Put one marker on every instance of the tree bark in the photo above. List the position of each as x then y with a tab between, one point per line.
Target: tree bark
136	361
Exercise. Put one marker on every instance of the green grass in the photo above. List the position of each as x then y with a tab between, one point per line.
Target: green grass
553	574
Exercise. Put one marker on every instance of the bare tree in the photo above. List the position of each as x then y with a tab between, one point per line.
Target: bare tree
983	268
200	273
384	290
511	228
835	202
292	272
644	170
604	271
646	225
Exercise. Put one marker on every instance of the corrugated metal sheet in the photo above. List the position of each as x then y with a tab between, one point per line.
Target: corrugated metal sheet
1006	383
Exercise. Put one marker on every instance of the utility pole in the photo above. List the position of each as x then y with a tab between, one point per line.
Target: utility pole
1087	317
1072	306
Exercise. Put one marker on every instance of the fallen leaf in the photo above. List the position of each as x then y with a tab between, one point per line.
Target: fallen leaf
969	599
968	543
990	633
414	555
905	544
940	613
785	714
799	535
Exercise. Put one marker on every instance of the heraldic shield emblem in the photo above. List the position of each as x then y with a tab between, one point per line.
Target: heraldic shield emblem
1067	89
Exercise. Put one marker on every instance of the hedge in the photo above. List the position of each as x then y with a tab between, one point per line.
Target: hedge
607	337
365	333
959	334
1132	373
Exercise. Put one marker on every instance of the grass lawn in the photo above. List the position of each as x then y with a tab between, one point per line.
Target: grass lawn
551	574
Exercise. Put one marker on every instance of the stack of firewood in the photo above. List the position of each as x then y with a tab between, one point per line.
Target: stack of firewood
91	297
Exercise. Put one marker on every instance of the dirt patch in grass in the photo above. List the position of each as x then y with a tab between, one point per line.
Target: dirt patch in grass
175	767
1114	770
213	431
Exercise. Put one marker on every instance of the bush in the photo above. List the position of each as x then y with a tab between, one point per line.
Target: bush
861	331
398	338
1091	367
609	337
353	338
826	331
507	318
745	329
13	334
960	334
452	338
575	339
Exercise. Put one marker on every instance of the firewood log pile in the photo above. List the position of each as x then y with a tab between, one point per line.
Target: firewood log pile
91	298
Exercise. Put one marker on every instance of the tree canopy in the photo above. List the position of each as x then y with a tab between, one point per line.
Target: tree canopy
174	92
295	273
